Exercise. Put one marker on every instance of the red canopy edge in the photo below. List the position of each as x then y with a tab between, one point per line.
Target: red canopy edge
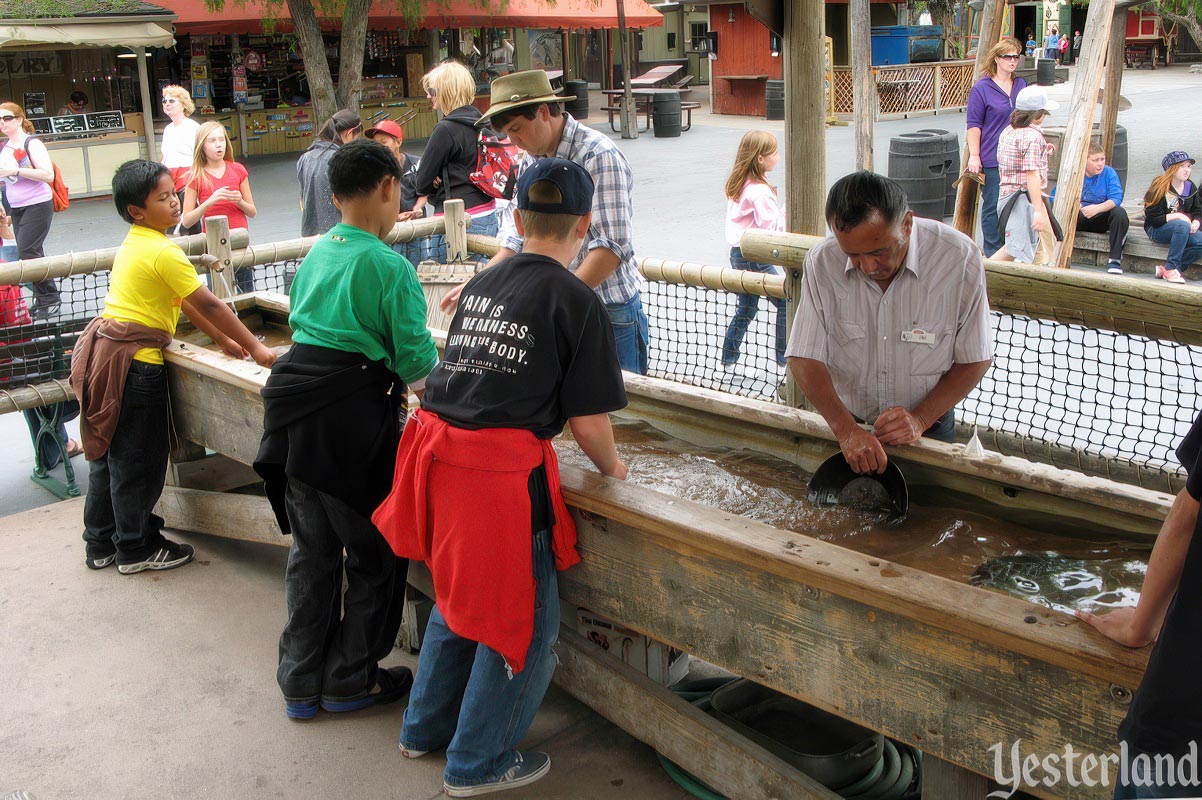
247	17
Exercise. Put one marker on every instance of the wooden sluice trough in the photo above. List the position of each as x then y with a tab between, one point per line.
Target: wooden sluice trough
950	668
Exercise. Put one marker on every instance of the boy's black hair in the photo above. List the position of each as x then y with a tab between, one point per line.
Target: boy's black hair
528	112
358	167
856	197
133	183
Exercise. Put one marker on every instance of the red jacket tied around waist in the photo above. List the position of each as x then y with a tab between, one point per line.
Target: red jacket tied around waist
460	502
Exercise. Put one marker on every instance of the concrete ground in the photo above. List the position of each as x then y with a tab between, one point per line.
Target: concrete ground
163	686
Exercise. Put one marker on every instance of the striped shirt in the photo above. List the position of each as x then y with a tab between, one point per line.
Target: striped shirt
890	348
613	207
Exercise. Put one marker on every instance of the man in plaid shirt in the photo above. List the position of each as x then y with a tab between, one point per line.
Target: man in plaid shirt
524	108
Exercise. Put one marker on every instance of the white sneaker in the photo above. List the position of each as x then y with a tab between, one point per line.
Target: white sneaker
530	767
1115	268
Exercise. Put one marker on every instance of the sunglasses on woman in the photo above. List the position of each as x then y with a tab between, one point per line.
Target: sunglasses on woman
1011	56
169	100
8	118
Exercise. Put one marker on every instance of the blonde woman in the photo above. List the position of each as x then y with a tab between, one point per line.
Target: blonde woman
27	171
217	185
450	155
179	139
989	106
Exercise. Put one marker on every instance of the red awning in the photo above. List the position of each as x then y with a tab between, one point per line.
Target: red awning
247	17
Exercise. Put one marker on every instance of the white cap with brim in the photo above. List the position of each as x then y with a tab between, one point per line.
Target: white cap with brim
1034	98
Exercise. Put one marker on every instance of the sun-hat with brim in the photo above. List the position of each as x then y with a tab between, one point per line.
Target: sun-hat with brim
386	126
520	89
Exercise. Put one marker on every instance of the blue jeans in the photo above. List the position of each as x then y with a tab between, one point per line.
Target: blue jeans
484	224
990	235
748	306
632	334
464	698
1184	247
1137	790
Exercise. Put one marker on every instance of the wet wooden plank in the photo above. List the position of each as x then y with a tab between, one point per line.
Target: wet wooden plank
246	517
952	693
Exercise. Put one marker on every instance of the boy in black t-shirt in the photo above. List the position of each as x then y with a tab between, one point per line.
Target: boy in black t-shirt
1165	718
530	349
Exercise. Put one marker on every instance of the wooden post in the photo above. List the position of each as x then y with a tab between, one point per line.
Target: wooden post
1114	80
147	105
1075	148
629	117
992	15
456	233
863	81
217	233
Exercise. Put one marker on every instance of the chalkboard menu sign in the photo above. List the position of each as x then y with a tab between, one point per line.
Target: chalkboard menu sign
35	104
75	123
105	121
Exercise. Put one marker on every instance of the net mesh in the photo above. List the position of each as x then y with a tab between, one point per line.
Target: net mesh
1078	397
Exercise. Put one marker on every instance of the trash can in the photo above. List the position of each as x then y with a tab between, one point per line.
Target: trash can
578	108
1045	71
917	161
951	152
1055	136
665	110
774	96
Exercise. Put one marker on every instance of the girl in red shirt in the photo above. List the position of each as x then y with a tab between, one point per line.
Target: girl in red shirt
219	186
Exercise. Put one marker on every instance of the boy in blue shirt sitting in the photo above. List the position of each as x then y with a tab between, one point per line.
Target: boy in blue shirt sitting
1102	206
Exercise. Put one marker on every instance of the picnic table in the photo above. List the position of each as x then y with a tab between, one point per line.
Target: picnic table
655	76
643	104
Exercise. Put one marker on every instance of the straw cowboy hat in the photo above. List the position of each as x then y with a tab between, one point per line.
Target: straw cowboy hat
519	89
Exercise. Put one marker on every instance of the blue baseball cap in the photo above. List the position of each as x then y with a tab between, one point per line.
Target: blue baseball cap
1174	158
574	183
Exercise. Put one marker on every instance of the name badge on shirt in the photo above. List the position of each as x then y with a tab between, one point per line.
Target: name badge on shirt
919	336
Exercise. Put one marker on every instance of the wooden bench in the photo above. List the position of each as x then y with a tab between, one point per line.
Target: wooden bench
1141	255
640	108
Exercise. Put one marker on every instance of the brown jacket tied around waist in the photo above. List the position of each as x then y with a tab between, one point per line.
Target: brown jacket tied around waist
99	365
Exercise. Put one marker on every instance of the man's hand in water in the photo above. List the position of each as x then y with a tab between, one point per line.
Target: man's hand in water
863	452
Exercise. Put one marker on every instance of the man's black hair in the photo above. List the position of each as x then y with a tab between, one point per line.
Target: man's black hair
78	97
528	112
133	182
857	197
358	167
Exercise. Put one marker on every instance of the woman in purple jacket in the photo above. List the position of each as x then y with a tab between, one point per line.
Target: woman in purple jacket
989	106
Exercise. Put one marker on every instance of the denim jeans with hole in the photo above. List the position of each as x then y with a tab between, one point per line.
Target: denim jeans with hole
464	698
1184	247
632	334
746	309
125	483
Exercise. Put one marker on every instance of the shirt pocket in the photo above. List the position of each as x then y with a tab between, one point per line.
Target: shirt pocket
848	350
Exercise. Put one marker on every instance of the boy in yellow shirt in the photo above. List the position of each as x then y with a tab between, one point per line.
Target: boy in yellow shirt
118	375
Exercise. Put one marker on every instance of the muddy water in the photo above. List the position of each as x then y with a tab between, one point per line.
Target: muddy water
1055	571
277	337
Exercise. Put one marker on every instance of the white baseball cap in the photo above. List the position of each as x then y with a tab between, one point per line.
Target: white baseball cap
1034	98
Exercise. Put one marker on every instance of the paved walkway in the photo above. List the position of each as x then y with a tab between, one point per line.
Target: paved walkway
163	686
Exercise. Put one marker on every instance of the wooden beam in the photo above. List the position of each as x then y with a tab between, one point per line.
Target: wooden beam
967	196
863	82
245	517
628	116
212	473
1125	305
1114	82
805	115
706	748
456	231
35	396
1075	146
217	232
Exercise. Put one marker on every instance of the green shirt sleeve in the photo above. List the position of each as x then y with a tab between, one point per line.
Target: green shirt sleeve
403	318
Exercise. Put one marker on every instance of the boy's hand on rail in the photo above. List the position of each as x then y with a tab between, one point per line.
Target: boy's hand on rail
1118	625
233	349
263	355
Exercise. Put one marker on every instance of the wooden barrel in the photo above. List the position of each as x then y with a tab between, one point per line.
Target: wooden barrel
951	151
917	161
1055	136
666	112
578	108
1045	72
774	97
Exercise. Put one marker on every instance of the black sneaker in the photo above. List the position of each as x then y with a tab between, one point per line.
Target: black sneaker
165	554
530	767
1114	268
99	556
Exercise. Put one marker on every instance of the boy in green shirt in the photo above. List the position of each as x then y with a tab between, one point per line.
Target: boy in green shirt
333	412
